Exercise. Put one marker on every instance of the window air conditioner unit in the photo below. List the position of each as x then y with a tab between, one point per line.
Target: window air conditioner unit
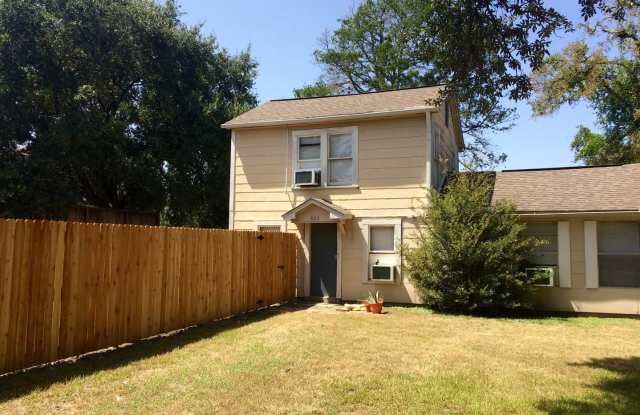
307	177
543	275
382	272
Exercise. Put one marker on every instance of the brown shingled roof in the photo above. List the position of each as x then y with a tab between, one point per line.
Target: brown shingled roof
606	188
289	111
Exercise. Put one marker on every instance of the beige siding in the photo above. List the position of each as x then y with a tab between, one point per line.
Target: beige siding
438	118
353	285
391	184
578	298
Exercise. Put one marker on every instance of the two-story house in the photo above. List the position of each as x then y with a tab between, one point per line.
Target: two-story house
350	175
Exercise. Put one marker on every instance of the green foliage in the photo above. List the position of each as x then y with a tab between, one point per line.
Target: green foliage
375	298
607	77
470	255
319	89
115	103
480	49
601	149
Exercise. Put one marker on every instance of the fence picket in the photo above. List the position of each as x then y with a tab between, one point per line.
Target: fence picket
69	288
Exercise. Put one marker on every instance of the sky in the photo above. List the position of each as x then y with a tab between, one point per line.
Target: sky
282	35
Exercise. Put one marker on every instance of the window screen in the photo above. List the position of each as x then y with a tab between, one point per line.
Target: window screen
381	239
340	159
619	254
547	254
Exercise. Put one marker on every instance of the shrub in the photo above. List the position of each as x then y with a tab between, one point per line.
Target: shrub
470	255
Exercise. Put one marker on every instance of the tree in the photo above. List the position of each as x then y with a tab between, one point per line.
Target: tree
470	255
480	49
117	104
319	89
607	77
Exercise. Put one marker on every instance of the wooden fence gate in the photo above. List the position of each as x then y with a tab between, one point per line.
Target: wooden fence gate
69	288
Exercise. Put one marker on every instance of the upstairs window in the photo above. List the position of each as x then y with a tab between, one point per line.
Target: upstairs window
309	155
340	159
332	152
445	159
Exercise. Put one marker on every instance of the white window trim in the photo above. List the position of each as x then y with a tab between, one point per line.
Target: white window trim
397	236
324	154
369	226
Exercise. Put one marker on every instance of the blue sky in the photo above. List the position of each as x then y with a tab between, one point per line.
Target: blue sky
282	35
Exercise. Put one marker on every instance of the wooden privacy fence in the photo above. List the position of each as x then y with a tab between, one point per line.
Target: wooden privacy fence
69	288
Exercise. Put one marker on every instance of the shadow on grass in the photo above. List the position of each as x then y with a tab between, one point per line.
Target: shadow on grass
17	384
617	394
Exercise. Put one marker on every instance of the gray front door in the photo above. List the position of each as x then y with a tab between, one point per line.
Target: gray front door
324	249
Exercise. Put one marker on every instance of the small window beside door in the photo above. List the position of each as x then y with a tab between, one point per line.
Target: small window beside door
381	239
382	259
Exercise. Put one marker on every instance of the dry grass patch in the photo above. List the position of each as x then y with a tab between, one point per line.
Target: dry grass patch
409	360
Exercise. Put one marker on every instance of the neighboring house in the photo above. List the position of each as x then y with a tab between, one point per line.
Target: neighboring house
350	175
591	218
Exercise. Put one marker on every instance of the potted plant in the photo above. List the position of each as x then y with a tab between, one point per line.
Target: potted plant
375	302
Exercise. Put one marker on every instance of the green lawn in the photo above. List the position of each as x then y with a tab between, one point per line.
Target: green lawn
299	360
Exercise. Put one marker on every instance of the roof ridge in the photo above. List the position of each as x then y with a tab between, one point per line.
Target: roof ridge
358	94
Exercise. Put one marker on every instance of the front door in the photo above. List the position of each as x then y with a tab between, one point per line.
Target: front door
324	249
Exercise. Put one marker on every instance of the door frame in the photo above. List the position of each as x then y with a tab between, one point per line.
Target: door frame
308	253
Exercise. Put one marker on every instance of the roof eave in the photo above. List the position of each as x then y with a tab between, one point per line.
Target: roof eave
532	213
343	117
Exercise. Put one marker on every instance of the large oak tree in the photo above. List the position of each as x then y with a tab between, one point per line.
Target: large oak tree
606	76
115	103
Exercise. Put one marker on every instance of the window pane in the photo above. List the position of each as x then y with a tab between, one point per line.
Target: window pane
619	270
619	254
310	164
381	238
309	148
546	254
341	172
618	237
340	145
